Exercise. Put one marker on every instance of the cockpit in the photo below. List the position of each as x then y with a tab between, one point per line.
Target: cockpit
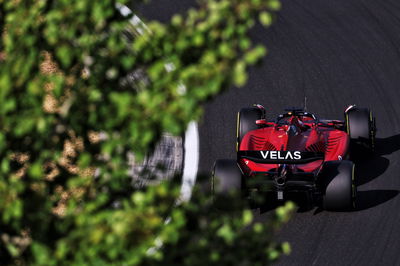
295	121
294	115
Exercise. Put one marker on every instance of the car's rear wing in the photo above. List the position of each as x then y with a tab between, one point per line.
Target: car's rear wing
281	157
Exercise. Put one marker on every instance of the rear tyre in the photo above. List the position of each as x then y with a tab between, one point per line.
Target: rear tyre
360	126
246	122
339	186
226	183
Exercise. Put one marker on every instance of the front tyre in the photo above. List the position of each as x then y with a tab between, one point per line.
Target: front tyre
338	185
360	126
246	122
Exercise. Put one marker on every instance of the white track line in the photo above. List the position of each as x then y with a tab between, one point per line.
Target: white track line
191	161
135	20
191	147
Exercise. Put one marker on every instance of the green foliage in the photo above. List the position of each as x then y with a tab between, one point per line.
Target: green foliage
225	237
79	89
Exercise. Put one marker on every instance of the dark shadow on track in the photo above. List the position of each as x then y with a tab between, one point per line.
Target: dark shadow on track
386	146
369	168
365	200
371	198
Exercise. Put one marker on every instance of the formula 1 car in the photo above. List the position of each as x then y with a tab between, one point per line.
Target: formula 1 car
296	153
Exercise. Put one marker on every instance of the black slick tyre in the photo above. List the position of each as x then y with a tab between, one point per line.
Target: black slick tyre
360	126
246	122
226	183
339	190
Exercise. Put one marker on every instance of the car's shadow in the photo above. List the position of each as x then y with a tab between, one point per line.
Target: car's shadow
371	198
367	168
385	146
368	199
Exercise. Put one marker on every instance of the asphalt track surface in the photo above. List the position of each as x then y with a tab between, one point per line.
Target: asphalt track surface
338	53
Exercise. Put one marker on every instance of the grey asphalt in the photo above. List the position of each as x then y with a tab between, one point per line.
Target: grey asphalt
338	53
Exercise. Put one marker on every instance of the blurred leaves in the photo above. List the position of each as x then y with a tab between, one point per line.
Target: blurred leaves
80	87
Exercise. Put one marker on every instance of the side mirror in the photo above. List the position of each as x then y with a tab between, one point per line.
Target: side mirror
263	122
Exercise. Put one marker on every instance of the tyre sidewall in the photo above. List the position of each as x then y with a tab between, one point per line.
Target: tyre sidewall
338	185
360	126
246	122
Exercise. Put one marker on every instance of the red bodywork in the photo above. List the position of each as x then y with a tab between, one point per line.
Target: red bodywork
296	134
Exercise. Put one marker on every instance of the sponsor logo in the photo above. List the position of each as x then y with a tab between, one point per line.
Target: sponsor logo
281	155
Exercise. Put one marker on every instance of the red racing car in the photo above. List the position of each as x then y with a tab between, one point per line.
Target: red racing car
296	153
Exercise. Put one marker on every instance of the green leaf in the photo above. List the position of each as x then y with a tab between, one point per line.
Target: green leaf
247	217
274	5
265	19
226	233
239	74
41	254
286	249
36	171
64	54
